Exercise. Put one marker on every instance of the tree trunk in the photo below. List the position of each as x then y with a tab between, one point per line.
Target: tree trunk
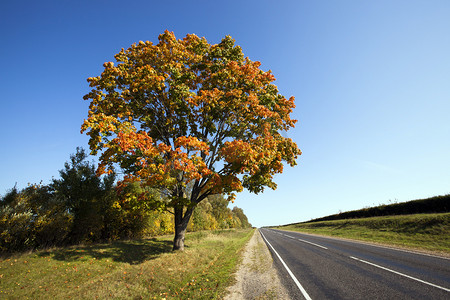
181	223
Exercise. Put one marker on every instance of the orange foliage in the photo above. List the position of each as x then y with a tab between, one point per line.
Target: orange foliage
184	111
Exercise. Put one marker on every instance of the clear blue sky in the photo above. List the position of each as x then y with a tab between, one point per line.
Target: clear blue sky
371	81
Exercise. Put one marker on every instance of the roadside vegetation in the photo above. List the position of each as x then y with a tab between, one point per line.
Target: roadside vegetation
437	204
133	269
419	231
80	207
82	237
422	224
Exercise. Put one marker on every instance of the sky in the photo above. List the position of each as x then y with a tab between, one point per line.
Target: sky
371	81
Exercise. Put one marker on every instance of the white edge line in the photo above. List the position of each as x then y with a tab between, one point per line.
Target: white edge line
300	287
401	274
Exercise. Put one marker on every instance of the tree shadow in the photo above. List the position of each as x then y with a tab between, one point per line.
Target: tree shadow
128	251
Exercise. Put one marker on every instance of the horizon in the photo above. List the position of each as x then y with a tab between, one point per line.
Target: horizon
370	81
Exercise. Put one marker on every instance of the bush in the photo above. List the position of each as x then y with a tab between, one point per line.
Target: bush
33	218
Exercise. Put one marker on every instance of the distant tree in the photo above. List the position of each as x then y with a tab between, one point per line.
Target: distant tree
220	209
188	112
239	213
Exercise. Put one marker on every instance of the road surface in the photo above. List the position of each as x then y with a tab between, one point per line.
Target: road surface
314	267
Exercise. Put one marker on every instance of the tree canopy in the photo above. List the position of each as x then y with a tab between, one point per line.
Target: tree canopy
191	119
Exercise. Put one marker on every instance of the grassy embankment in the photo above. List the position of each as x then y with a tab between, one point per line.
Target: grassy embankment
136	269
429	232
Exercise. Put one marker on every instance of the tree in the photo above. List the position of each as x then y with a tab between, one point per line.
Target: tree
188	113
99	211
239	213
83	193
220	208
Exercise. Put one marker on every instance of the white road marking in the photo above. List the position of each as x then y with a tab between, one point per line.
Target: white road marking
314	244
304	241
401	274
394	248
300	287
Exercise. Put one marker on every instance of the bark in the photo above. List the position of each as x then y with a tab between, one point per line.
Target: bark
181	223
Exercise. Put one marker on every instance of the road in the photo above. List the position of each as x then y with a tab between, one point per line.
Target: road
313	267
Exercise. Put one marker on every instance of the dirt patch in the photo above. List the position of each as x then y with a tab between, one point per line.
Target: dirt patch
256	277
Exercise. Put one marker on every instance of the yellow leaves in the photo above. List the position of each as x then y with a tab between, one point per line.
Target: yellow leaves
150	166
207	99
166	109
100	123
259	159
237	151
100	170
93	81
108	64
133	141
163	148
192	144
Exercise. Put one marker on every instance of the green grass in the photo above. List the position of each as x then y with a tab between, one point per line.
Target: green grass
429	232
135	269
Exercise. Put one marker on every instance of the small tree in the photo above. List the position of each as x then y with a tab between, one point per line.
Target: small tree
84	194
187	113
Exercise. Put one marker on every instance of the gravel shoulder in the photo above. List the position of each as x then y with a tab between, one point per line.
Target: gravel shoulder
256	277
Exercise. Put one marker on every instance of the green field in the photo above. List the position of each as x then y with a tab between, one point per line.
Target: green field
135	269
430	232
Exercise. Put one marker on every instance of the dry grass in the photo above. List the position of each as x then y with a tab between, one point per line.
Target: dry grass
139	269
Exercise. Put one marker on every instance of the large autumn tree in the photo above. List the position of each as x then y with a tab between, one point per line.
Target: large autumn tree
190	119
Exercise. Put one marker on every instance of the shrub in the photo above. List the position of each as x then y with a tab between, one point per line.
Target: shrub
33	218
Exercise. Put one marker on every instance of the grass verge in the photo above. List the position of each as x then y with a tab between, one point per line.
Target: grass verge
136	269
428	232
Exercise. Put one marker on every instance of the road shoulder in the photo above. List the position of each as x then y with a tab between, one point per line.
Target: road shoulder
257	277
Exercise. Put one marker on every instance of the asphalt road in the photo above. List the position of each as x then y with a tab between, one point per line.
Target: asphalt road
313	267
